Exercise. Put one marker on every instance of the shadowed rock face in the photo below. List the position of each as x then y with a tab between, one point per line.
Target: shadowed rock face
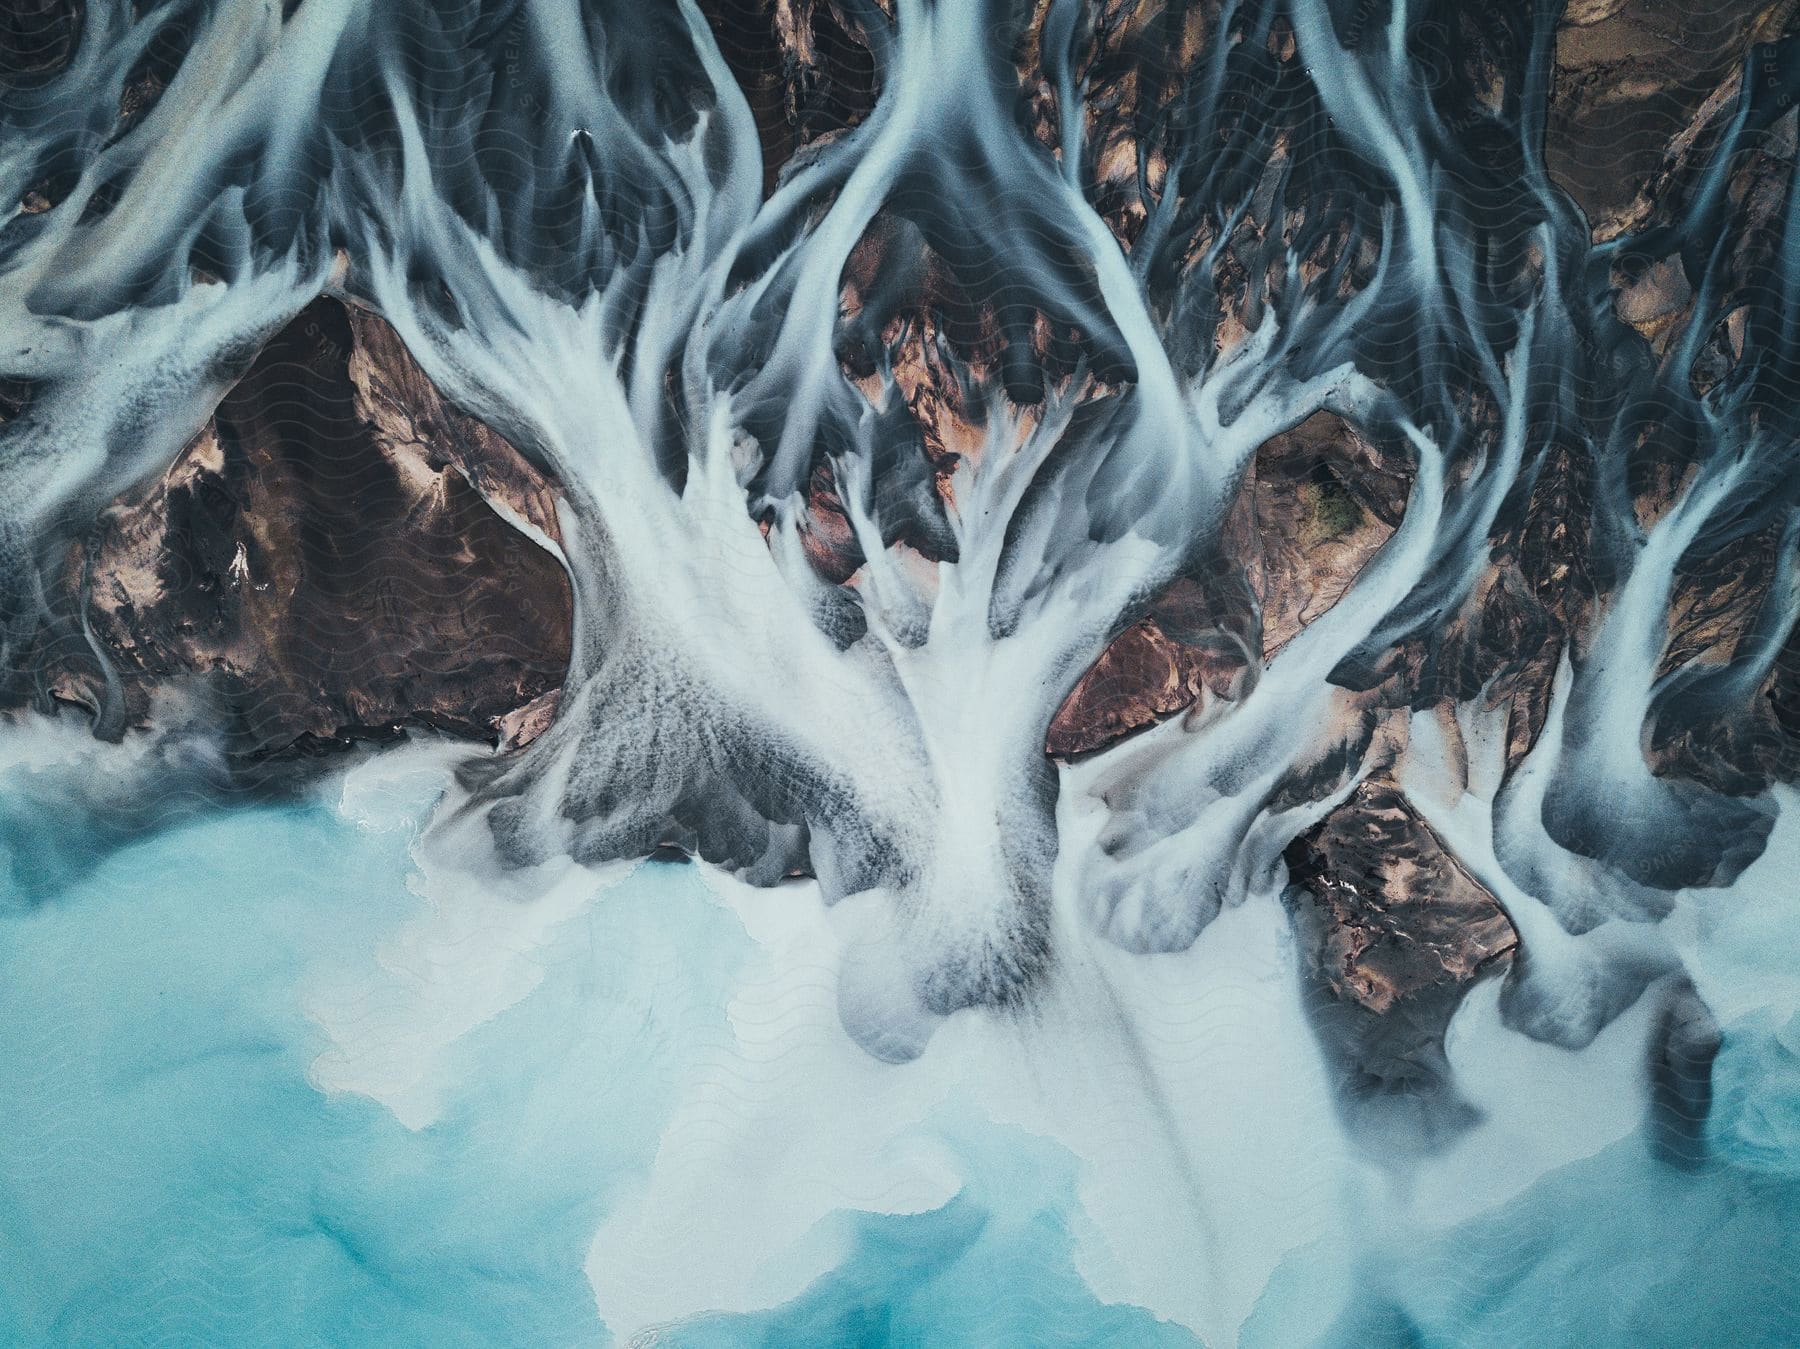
804	66
319	559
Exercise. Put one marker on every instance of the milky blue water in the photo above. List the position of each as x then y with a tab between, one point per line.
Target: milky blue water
170	1174
1615	1250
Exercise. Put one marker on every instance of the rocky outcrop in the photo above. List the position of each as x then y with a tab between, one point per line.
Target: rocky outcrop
323	559
1635	83
1393	930
1170	660
1313	507
1400	914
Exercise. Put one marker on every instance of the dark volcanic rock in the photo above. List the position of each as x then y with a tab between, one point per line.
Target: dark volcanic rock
37	37
1405	915
1631	75
320	559
805	67
1393	931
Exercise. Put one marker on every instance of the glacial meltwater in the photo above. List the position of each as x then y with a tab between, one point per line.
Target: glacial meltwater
262	1081
899	672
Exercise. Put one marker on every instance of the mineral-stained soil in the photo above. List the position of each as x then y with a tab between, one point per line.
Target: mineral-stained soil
1400	913
1636	82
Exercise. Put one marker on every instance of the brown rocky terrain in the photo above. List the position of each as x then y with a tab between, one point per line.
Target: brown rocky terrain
1314	506
1396	928
322	558
1638	82
1392	933
1398	912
